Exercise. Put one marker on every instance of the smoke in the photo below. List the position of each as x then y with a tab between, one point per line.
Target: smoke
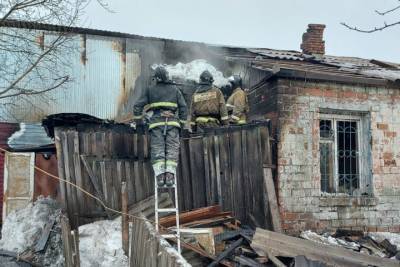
191	71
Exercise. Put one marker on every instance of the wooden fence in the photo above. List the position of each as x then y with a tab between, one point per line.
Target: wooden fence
222	166
149	249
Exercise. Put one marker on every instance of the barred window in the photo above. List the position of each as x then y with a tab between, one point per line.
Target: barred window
339	154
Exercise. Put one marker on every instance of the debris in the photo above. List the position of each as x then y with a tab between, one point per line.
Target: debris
277	244
25	231
393	238
329	240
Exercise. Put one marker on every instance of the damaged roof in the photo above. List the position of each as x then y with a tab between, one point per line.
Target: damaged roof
290	64
295	64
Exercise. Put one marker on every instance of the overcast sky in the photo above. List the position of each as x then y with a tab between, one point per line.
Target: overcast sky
275	24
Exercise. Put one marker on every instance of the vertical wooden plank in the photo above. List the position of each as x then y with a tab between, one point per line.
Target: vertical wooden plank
81	201
76	256
186	178
206	165
245	179
138	171
237	168
266	148
226	177
218	170
125	222
130	182
66	240
197	172
269	191
213	175
61	167
68	175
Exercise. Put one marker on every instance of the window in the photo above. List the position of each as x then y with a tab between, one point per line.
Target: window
340	157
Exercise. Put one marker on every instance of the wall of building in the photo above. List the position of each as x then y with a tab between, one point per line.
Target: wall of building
302	205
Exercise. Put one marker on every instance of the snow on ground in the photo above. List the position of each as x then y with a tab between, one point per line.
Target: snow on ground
328	240
23	227
100	244
394	238
192	70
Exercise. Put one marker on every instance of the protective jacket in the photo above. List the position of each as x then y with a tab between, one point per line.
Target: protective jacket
239	106
164	104
208	105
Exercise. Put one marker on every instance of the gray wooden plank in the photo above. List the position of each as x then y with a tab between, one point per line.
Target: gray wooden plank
269	188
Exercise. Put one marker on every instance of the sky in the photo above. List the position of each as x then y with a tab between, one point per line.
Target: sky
275	24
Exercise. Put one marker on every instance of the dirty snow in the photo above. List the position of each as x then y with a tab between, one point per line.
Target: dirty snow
328	240
192	70
394	238
326	194
100	244
22	228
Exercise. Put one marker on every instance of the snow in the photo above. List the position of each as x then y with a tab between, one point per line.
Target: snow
100	244
394	238
192	70
22	228
326	194
392	75
328	240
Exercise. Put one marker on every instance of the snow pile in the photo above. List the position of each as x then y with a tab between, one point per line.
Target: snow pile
328	240
23	228
393	238
192	70
100	244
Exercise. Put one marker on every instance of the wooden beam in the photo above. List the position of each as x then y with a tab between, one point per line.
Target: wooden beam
269	190
124	219
197	214
277	244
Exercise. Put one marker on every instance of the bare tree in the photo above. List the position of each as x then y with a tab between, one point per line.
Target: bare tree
34	63
380	28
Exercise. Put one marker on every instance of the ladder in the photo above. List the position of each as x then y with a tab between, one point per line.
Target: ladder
170	210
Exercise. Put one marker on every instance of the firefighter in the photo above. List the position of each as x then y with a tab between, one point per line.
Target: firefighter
208	108
237	103
166	113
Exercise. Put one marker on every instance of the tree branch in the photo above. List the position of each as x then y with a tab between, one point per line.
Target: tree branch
35	91
385	26
387	11
34	64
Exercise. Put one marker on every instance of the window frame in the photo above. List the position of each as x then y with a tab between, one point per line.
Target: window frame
334	118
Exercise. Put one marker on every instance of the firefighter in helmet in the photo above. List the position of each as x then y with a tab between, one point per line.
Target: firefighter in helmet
208	108
166	114
237	103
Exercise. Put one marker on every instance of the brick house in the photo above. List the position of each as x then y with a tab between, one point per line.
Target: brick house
336	123
334	119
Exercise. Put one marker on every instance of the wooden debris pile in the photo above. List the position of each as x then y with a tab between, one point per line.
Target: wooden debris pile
214	237
357	241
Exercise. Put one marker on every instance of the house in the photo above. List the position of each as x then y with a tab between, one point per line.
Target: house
334	119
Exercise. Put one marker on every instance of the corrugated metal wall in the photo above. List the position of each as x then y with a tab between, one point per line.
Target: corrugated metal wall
103	71
6	130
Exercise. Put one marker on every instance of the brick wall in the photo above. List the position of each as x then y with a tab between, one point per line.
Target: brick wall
301	204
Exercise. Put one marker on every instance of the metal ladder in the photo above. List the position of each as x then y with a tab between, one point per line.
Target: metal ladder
170	210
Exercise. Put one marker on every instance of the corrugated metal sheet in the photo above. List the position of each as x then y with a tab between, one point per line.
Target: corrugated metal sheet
30	136
6	130
100	82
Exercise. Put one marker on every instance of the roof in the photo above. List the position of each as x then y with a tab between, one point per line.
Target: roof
290	64
30	137
295	64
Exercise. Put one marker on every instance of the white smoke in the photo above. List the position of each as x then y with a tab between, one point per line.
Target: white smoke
191	71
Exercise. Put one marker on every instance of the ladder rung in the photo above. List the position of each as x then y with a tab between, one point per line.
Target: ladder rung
169	236
165	187
167	210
